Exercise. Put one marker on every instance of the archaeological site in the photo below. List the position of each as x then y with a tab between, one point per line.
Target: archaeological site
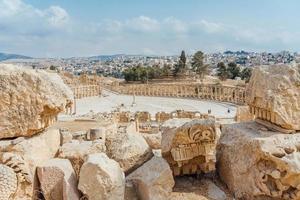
89	137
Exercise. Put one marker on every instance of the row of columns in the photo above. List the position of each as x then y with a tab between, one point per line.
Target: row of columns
209	92
86	91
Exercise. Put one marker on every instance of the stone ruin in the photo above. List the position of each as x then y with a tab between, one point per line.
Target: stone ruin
30	100
258	159
190	148
273	95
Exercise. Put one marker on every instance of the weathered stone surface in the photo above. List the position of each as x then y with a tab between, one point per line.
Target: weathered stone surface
58	180
214	192
24	156
153	140
153	180
65	136
101	178
190	148
243	114
174	123
130	150
29	100
273	94
259	164
8	182
77	151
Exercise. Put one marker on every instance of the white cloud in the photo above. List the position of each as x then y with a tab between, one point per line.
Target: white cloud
10	7
143	23
57	16
51	31
211	27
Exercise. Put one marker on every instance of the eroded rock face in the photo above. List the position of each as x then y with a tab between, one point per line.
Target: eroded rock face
58	180
8	182
190	148
77	151
101	178
273	95
259	164
153	140
24	155
30	100
153	180
130	150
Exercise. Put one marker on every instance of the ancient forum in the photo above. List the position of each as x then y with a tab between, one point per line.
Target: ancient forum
75	137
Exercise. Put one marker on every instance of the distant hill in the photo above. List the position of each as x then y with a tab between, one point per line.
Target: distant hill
5	56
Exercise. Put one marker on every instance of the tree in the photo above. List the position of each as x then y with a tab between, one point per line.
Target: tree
198	64
233	70
222	71
180	67
166	70
246	74
52	67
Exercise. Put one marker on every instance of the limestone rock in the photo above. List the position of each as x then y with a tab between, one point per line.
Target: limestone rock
130	150
29	100
190	148
58	180
174	123
101	178
77	151
153	140
273	94
153	180
8	182
65	136
258	164
214	192
243	114
26	155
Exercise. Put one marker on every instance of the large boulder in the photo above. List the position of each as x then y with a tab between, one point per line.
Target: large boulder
130	150
153	180
273	95
101	178
23	155
77	151
259	164
30	100
58	181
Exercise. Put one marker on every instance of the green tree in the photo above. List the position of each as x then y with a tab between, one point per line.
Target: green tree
246	74
180	67
233	70
198	64
52	67
166	70
222	71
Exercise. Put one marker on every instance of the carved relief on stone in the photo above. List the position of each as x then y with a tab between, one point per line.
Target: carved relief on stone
276	104
274	181
14	172
190	149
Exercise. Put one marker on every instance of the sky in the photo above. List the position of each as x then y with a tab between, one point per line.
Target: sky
67	28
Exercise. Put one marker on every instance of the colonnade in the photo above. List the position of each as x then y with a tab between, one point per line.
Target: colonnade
82	91
200	91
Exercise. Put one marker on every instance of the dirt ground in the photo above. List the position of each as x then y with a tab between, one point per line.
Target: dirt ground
196	188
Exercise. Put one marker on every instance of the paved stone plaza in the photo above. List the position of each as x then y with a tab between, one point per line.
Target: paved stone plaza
111	101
